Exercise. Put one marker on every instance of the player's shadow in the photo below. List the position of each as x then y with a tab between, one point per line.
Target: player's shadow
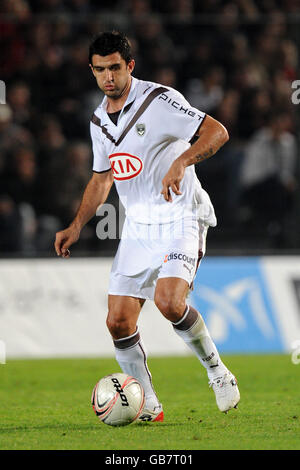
63	428
143	424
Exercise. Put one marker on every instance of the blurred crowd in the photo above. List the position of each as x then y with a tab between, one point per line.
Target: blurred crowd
235	60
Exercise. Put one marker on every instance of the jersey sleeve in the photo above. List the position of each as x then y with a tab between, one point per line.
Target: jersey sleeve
178	118
101	161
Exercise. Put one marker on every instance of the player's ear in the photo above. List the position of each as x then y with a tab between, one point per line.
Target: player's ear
91	67
131	65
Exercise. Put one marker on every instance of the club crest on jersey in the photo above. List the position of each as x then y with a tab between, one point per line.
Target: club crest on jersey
125	166
141	129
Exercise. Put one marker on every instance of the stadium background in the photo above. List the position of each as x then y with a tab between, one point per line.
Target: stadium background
235	60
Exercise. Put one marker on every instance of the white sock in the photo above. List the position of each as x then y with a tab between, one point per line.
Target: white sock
132	358
192	329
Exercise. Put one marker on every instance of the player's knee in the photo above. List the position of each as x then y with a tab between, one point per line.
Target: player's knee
171	306
119	326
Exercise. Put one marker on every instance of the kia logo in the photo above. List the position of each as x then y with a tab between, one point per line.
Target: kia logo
125	166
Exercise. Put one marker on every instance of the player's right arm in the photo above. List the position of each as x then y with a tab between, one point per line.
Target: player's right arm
95	194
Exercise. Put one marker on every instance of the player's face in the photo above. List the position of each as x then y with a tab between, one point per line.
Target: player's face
112	74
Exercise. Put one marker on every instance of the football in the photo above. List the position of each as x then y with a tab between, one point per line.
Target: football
118	399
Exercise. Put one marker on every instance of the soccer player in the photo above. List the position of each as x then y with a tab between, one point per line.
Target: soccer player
146	139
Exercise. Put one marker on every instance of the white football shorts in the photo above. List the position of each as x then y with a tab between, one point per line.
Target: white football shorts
150	252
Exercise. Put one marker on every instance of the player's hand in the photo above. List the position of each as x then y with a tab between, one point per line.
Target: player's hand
172	180
64	239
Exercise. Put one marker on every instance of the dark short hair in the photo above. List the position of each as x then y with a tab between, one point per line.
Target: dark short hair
109	42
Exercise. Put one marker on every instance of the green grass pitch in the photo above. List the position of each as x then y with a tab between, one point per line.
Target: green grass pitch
45	404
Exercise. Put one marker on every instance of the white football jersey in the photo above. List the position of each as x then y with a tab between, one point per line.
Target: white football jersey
154	127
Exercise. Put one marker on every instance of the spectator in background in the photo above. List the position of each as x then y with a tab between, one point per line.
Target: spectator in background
80	81
49	90
12	41
51	144
10	226
22	188
153	40
221	175
67	186
289	58
69	182
50	6
240	51
11	134
198	58
19	99
137	8
166	76
39	37
254	109
268	176
23	181
62	30
26	198
206	94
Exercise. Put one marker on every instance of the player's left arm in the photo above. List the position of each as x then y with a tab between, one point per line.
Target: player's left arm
211	136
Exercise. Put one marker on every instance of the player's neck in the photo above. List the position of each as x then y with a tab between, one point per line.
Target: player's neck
115	105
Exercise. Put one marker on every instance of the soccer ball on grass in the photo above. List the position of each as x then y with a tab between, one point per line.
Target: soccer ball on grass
118	399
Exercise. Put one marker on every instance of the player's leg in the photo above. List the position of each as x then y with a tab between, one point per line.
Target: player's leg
170	299
123	313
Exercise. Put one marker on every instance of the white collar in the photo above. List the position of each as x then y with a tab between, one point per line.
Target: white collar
130	98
